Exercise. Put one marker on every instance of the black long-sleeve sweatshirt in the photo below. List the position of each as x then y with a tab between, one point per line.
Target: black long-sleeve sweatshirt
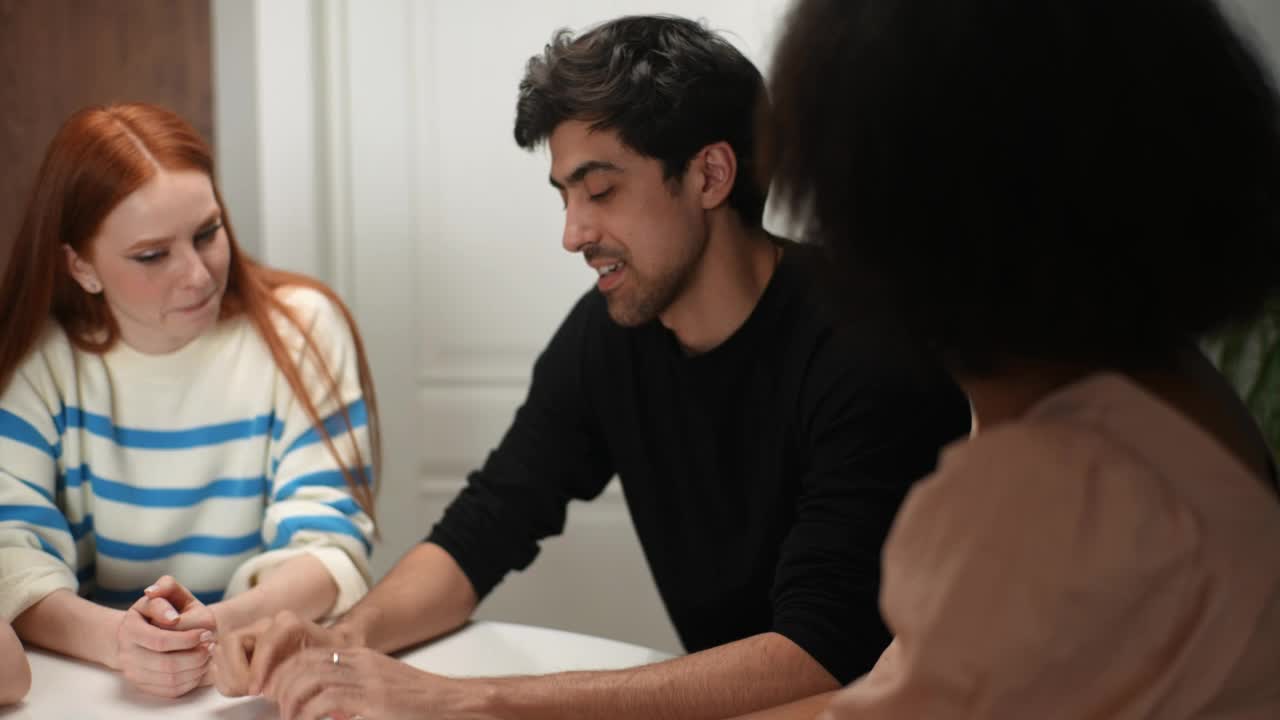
762	477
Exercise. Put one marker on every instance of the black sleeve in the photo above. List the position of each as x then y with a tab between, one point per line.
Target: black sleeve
872	432
552	453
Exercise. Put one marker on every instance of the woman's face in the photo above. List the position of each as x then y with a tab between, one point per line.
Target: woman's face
160	260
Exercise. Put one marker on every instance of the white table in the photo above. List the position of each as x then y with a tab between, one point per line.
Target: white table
65	689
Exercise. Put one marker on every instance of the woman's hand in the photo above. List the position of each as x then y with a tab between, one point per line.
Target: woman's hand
162	643
178	607
15	673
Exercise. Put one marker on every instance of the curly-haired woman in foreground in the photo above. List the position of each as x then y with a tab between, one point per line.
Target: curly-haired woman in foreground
1056	198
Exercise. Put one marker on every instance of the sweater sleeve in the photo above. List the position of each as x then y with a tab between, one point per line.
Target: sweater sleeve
552	453
37	544
872	432
311	508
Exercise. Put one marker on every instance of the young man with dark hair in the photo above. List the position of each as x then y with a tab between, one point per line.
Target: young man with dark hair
762	451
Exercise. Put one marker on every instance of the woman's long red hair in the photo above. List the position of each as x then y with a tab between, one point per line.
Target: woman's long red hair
99	157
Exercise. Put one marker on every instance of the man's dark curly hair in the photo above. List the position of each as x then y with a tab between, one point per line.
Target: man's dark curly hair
667	85
1067	180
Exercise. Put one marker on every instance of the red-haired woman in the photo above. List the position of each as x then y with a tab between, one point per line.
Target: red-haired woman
169	409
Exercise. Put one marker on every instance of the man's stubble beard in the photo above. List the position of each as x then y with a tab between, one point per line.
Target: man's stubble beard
655	297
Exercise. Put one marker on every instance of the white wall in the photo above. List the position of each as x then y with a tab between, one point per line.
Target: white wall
235	123
1260	21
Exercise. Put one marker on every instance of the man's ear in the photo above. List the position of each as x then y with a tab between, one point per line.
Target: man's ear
717	166
81	271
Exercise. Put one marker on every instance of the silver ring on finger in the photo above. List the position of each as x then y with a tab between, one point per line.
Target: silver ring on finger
335	657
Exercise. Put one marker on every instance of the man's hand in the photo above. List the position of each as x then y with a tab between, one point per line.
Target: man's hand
366	683
245	660
162	642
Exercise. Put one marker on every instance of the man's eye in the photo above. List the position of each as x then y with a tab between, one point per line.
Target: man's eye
597	197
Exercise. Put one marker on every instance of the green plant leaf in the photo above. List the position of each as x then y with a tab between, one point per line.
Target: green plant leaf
1248	355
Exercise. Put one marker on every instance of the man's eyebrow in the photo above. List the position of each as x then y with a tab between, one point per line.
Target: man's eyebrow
582	171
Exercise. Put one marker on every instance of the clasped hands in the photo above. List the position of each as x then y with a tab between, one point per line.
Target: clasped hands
312	672
164	640
168	644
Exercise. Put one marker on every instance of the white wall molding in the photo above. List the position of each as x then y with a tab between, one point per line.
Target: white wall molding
235	108
478	365
333	111
379	241
268	151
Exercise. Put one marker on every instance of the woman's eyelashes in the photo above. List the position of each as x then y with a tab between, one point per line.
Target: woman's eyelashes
201	237
150	256
208	232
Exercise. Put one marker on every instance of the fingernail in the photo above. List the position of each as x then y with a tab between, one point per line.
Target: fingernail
150	589
206	636
170	615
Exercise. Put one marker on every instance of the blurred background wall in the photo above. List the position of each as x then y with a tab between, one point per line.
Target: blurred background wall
59	55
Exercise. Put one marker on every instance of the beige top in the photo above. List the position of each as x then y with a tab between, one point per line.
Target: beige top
1101	558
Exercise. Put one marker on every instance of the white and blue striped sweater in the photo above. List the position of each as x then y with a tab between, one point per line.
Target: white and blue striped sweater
118	468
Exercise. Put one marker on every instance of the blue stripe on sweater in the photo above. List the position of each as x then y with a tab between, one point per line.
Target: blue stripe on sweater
82	528
21	431
128	597
44	545
38	516
166	497
322	478
317	523
75	477
346	506
202	436
192	544
35	515
335	425
43	493
277	428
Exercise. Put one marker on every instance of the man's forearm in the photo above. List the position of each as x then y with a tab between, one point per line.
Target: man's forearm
424	596
806	709
759	672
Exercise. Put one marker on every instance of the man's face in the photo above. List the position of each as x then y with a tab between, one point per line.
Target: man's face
641	234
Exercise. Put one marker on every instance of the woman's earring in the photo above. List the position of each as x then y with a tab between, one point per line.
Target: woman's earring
93	286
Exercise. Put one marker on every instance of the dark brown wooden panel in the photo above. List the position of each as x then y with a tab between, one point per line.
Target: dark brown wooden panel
59	55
